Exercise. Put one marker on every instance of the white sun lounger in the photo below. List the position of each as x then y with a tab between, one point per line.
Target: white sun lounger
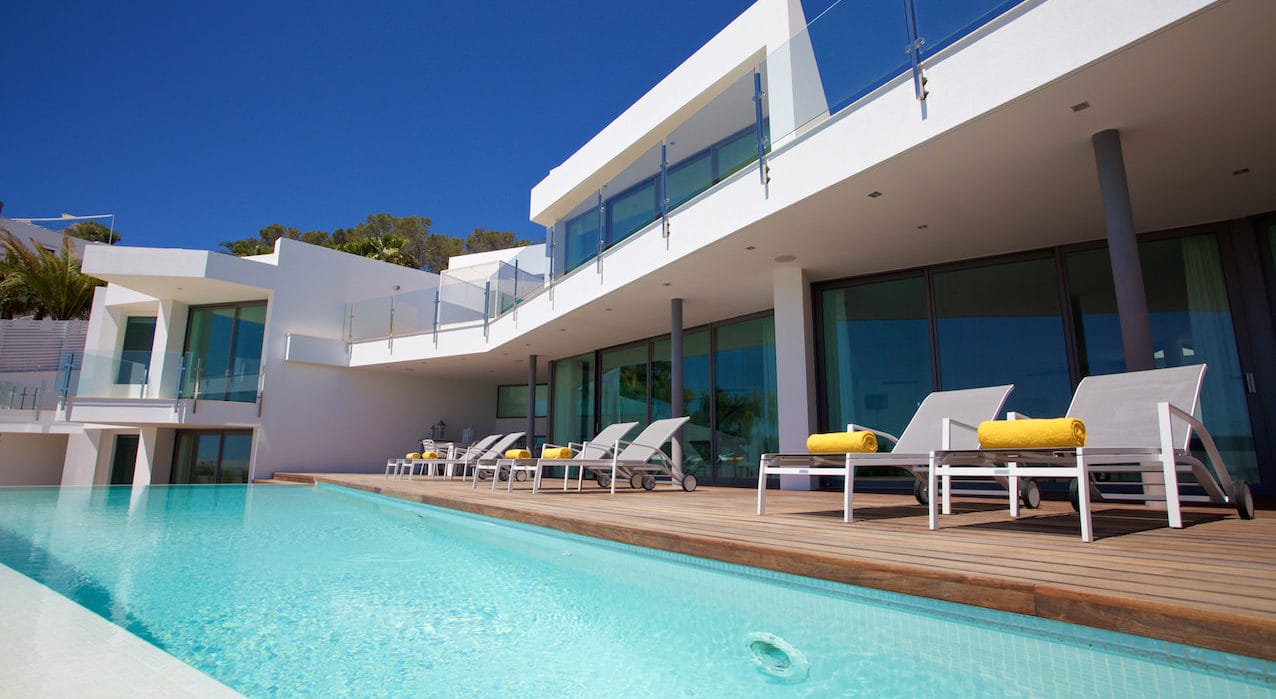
448	464
1137	422
600	447
912	450
488	461
633	462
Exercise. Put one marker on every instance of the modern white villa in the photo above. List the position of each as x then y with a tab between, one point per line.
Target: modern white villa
818	218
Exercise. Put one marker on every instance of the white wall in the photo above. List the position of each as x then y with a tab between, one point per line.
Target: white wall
31	459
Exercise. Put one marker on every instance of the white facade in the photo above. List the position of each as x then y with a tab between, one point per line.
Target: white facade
997	159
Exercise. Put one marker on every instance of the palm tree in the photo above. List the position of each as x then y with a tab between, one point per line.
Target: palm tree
386	248
45	281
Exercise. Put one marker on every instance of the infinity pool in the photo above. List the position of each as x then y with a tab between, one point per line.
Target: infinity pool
289	591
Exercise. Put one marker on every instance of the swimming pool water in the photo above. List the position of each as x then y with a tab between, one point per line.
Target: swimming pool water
289	591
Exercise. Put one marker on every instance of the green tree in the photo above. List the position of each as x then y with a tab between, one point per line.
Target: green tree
49	282
438	249
92	231
386	248
264	243
483	240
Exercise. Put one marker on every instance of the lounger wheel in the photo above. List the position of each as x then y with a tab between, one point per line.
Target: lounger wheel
635	481
482	475
520	476
1244	499
1030	493
921	491
648	482
1074	495
689	483
603	479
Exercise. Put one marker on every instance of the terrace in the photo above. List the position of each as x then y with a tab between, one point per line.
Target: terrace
1208	585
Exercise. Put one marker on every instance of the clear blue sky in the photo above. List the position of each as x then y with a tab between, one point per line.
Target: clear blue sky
197	123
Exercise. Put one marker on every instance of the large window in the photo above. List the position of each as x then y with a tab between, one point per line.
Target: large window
1191	324
729	391
201	456
223	351
999	324
876	343
631	211
135	351
582	239
511	401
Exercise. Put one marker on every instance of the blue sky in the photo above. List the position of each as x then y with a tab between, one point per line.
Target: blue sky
197	123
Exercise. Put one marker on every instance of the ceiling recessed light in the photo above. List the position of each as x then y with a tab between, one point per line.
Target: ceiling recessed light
751	247
1242	171
607	309
667	284
562	330
923	227
1080	106
785	258
874	195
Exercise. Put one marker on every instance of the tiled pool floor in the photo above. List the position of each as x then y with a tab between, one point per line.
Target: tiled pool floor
53	647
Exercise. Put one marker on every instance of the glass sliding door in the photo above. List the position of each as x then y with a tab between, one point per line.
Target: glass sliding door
1191	323
1002	323
573	399
223	351
697	442
876	353
211	456
622	385
746	423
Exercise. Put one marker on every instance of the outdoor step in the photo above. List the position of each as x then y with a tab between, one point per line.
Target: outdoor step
304	478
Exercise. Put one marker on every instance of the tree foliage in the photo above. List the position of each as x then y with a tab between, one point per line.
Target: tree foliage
402	240
92	231
44	282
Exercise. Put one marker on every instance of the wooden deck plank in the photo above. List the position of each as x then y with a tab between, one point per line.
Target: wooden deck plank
1211	584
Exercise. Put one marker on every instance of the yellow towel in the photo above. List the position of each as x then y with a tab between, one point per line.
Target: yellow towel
1022	434
518	454
841	442
556	453
412	455
429	455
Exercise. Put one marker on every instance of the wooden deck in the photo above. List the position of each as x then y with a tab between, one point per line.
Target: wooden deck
1211	584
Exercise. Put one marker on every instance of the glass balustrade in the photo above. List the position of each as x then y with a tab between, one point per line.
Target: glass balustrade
157	375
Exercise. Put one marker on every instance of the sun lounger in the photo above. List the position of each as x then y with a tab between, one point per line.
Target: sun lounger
633	462
600	447
487	462
1134	423
912	450
447	464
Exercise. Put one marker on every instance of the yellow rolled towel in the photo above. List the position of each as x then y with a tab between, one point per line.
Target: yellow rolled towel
429	455
518	454
412	455
1026	434
557	453
841	442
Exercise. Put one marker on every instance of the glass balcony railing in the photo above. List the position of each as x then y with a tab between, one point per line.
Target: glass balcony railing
23	394
843	55
158	375
468	296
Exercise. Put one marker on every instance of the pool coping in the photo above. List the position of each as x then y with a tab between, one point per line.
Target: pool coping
1241	634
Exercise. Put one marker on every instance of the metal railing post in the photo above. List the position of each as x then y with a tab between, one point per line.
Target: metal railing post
487	300
436	315
66	380
915	54
764	172
664	188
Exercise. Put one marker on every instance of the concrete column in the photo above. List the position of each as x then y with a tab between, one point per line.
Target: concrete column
794	365
82	457
146	453
676	407
531	402
166	359
1123	249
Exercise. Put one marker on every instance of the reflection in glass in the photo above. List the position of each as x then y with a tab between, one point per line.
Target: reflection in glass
135	352
697	443
734	154
211	457
877	361
1191	324
1000	324
511	401
941	22
224	345
747	424
573	399
689	178
630	212
581	240
622	385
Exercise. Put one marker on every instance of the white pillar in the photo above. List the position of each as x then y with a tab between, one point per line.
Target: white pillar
82	458
794	365
166	359
146	455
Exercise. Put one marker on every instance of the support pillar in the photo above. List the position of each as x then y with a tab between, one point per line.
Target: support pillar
794	366
1123	249
146	456
676	407
531	403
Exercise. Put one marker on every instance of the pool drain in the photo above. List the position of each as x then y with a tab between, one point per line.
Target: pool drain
778	658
